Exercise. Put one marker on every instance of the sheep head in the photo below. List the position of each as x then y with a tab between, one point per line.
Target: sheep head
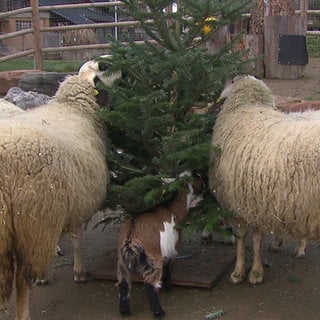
246	90
93	72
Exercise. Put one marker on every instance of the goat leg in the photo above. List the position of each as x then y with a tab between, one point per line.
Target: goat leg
124	294
166	278
154	300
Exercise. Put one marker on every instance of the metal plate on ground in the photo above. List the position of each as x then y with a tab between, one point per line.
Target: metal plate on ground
197	265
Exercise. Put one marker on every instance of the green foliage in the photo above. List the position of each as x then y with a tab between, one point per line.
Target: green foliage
206	216
154	130
48	65
215	314
313	45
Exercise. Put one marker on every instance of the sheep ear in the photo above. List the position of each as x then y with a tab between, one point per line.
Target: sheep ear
89	71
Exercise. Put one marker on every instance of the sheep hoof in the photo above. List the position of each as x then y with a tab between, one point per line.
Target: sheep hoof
272	248
236	278
255	277
80	277
41	282
59	251
300	254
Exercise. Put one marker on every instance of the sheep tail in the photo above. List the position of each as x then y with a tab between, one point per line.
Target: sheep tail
6	260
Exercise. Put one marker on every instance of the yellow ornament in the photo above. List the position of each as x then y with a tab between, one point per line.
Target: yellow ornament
207	28
211	18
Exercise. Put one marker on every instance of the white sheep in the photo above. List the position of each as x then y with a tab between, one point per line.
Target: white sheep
266	169
53	178
148	247
8	109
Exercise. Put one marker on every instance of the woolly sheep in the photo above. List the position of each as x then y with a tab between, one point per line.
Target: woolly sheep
266	169
8	109
53	178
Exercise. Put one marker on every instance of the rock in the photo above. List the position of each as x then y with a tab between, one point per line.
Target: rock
42	82
26	99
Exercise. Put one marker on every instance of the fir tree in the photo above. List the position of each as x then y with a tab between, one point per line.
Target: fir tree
154	129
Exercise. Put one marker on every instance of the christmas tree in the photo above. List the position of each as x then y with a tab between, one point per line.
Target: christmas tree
159	120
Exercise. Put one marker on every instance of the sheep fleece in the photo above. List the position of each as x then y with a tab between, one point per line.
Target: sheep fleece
266	166
53	176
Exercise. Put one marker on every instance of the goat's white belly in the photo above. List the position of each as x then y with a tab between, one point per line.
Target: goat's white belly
168	239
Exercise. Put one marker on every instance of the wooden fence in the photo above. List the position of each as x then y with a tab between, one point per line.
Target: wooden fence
38	50
36	30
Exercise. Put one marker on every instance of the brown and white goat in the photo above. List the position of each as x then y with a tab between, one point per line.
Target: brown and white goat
148	248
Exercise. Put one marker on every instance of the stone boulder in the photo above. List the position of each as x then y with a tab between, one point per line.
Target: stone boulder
42	82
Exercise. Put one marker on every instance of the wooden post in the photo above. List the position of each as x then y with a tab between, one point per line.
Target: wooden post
303	14
274	26
36	35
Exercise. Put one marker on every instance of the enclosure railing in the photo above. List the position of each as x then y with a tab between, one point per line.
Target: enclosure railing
37	30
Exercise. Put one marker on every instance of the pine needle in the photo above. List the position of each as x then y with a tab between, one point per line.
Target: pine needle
215	314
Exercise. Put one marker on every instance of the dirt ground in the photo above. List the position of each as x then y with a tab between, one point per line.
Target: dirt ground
290	290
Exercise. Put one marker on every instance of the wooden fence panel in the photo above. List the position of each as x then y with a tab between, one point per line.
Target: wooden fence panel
273	27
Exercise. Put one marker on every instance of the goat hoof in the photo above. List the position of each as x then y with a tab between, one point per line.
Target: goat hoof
125	312
159	313
124	308
167	288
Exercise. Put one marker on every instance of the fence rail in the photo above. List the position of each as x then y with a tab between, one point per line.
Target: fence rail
54	35
37	30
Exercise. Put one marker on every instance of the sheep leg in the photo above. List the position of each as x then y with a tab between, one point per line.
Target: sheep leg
275	244
300	251
239	271
78	273
45	279
22	288
256	273
42	280
154	300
